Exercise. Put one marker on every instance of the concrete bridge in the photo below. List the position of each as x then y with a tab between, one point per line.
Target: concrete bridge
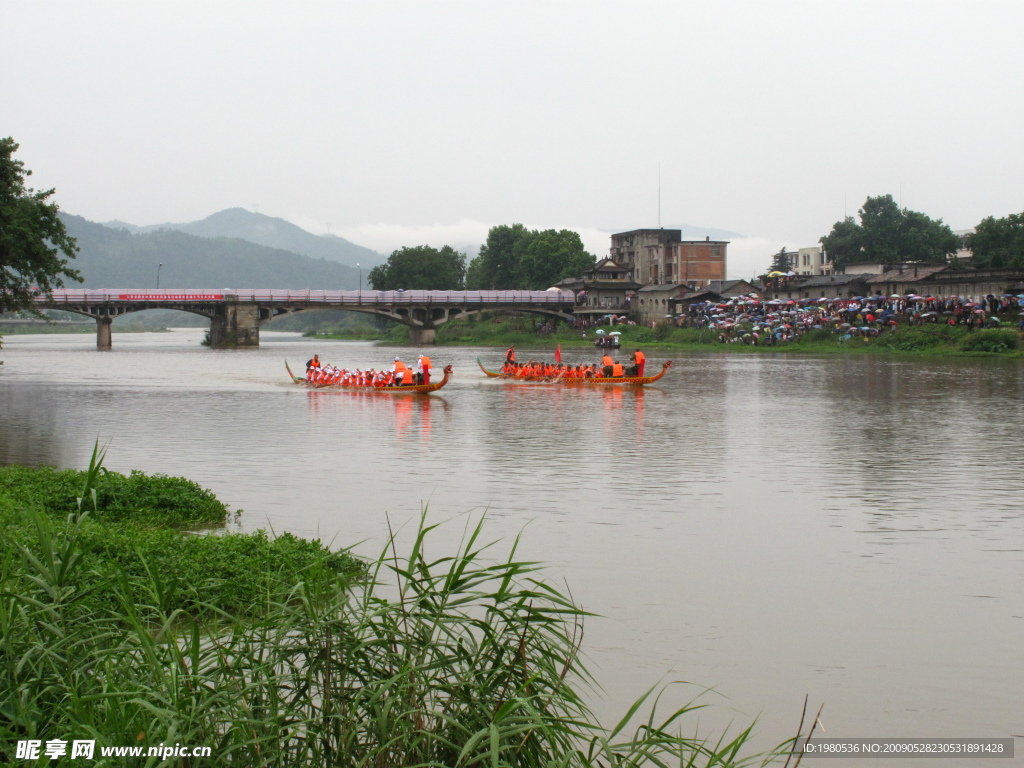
236	315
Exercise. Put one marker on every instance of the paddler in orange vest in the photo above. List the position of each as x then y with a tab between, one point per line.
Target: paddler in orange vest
401	372
510	356
424	365
606	364
311	365
639	361
617	370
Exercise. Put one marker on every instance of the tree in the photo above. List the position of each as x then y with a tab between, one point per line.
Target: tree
843	243
515	257
421	268
888	235
880	222
495	264
32	237
998	243
781	261
551	256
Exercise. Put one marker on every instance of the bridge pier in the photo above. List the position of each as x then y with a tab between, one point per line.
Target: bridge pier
421	336
103	338
235	325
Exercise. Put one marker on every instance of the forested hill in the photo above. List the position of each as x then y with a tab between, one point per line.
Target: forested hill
117	258
271	232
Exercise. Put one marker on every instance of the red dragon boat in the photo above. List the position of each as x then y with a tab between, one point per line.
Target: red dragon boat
602	381
401	389
607	380
513	377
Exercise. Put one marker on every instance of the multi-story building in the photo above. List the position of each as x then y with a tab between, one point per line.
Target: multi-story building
662	257
812	261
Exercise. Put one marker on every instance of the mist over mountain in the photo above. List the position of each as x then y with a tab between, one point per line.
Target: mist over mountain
271	232
119	258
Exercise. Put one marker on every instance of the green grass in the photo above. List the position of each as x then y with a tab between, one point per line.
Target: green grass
464	659
133	531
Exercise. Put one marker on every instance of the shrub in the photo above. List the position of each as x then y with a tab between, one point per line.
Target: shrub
817	335
663	330
695	336
127	537
156	500
992	340
909	339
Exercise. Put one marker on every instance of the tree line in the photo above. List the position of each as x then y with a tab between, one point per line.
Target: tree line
513	257
887	234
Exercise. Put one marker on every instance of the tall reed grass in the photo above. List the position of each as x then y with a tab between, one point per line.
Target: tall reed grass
466	659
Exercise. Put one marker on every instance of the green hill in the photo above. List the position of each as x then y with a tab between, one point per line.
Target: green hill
271	232
118	258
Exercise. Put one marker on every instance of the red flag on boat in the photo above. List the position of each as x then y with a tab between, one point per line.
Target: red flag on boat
558	353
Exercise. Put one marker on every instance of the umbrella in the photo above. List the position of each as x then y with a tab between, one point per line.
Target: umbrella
615	333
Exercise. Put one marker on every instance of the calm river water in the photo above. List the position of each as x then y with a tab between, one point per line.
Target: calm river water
769	526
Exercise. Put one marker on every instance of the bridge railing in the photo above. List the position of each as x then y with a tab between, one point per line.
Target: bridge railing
358	298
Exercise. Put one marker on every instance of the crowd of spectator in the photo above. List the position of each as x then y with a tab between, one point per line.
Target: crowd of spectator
748	319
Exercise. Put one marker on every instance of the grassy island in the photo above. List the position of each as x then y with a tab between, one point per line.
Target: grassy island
118	627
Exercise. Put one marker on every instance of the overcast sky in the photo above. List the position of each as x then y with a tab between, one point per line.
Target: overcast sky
401	123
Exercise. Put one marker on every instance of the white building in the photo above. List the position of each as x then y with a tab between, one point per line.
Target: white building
812	261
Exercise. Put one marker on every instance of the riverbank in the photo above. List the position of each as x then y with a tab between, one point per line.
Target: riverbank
930	339
474	661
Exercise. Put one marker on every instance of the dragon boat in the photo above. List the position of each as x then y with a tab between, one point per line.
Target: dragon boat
512	377
611	380
400	389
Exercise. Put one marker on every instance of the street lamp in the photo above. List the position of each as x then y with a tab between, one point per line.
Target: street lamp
159	267
360	268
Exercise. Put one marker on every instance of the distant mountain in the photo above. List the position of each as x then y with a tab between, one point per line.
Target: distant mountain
116	257
271	232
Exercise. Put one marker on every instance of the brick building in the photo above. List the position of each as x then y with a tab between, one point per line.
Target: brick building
662	257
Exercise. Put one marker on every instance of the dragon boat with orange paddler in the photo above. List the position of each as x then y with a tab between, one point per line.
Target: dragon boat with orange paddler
612	380
386	389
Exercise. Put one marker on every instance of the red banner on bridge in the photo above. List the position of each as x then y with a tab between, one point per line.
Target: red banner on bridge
170	296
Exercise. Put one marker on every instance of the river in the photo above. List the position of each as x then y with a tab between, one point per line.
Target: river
769	526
